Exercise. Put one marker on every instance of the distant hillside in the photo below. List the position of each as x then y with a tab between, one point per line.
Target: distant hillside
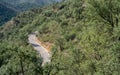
9	8
6	12
84	36
27	4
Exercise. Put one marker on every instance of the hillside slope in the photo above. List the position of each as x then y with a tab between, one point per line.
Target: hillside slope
9	8
28	4
85	38
6	12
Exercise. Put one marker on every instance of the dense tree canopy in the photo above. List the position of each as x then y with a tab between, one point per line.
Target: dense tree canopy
85	38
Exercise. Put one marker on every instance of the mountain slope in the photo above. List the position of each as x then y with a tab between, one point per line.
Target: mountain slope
6	12
27	4
9	8
85	40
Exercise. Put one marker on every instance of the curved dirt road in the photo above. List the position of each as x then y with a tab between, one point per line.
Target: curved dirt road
39	48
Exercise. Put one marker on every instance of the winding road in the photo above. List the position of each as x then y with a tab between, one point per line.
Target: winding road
39	48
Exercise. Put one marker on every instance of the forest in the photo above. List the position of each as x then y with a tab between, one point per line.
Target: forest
6	13
11	8
84	37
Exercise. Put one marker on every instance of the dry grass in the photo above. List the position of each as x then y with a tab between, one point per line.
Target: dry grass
46	45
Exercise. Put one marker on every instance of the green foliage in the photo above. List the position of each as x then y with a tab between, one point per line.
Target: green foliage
85	38
28	4
111	10
10	8
6	13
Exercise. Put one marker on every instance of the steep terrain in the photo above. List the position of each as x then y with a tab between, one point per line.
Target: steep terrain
9	8
43	52
6	12
28	4
85	38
